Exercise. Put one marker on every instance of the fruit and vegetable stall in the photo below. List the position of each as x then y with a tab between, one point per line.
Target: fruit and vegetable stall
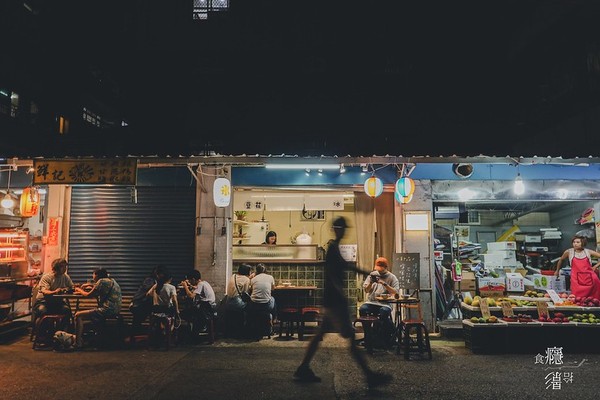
531	323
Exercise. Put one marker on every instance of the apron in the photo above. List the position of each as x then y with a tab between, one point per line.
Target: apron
584	281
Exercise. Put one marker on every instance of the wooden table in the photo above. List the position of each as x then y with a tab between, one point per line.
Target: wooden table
68	297
289	296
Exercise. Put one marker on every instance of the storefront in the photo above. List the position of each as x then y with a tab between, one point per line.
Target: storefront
168	216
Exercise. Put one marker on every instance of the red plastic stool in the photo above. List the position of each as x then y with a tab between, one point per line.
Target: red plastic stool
307	314
288	316
44	329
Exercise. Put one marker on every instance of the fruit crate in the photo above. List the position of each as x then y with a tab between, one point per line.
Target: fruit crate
587	338
524	337
485	338
562	334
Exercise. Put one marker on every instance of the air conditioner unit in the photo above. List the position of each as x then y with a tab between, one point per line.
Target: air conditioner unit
446	212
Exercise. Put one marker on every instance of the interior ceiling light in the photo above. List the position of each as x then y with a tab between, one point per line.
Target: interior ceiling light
302	166
519	187
364	168
465	194
562	194
342	168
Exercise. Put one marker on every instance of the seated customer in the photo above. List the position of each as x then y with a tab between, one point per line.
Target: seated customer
141	303
262	300
238	283
164	296
203	302
55	282
378	282
108	293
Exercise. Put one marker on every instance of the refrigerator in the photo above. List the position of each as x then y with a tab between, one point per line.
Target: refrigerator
256	232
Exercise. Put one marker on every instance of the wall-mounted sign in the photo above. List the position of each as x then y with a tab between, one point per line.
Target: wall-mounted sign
222	192
111	171
53	230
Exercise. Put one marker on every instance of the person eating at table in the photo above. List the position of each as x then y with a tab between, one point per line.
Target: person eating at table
380	282
55	282
108	293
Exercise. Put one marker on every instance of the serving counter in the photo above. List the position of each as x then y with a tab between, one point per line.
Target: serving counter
281	252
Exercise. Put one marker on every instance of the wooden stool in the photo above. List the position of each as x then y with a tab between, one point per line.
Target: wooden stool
288	316
419	346
45	327
161	327
109	332
367	322
307	314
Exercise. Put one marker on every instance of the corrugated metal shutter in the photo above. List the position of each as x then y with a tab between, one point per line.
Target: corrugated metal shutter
108	230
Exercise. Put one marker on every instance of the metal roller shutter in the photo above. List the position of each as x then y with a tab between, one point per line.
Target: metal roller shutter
108	230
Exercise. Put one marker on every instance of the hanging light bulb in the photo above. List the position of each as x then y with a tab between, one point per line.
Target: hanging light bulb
8	201
519	187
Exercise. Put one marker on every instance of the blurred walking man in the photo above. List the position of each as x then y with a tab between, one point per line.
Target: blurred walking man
336	314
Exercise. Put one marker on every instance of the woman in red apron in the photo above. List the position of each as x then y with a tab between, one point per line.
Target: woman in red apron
584	276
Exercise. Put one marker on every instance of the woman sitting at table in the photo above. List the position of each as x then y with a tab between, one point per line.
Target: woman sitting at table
108	294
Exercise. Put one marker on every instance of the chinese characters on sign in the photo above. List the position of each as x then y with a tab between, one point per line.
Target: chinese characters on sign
53	227
113	171
554	359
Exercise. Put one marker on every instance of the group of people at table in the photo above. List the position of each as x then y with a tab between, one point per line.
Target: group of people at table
195	301
156	295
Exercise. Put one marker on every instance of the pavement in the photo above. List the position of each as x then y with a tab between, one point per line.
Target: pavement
240	369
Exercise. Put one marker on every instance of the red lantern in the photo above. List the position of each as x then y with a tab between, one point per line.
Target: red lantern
30	202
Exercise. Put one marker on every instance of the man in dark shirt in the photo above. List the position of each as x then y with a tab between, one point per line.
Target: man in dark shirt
336	316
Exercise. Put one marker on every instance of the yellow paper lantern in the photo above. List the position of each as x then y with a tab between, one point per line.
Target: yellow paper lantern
373	186
30	202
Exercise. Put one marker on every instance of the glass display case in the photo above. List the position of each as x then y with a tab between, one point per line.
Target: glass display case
291	252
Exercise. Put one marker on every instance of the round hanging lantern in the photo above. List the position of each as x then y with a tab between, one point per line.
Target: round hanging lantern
405	187
373	186
30	202
402	199
222	192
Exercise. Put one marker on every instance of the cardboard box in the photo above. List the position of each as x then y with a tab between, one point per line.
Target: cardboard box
515	282
493	246
499	259
546	282
468	283
491	287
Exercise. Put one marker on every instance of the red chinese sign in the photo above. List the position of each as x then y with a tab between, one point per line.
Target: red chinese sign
111	171
53	229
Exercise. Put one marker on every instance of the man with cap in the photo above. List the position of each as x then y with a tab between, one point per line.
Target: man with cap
380	281
336	317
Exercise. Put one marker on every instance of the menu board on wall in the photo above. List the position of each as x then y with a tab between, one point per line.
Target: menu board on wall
406	267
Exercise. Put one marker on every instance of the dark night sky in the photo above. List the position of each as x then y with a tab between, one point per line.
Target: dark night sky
334	77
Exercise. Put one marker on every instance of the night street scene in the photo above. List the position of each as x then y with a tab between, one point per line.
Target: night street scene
269	199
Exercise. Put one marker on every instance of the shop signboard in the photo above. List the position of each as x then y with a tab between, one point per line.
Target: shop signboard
81	172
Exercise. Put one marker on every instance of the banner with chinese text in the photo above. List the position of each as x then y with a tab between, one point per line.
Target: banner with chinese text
111	171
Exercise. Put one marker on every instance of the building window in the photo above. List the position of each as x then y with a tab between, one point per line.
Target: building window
63	125
33	112
201	8
91	117
14	104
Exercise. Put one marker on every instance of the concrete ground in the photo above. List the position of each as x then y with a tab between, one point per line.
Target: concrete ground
233	369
